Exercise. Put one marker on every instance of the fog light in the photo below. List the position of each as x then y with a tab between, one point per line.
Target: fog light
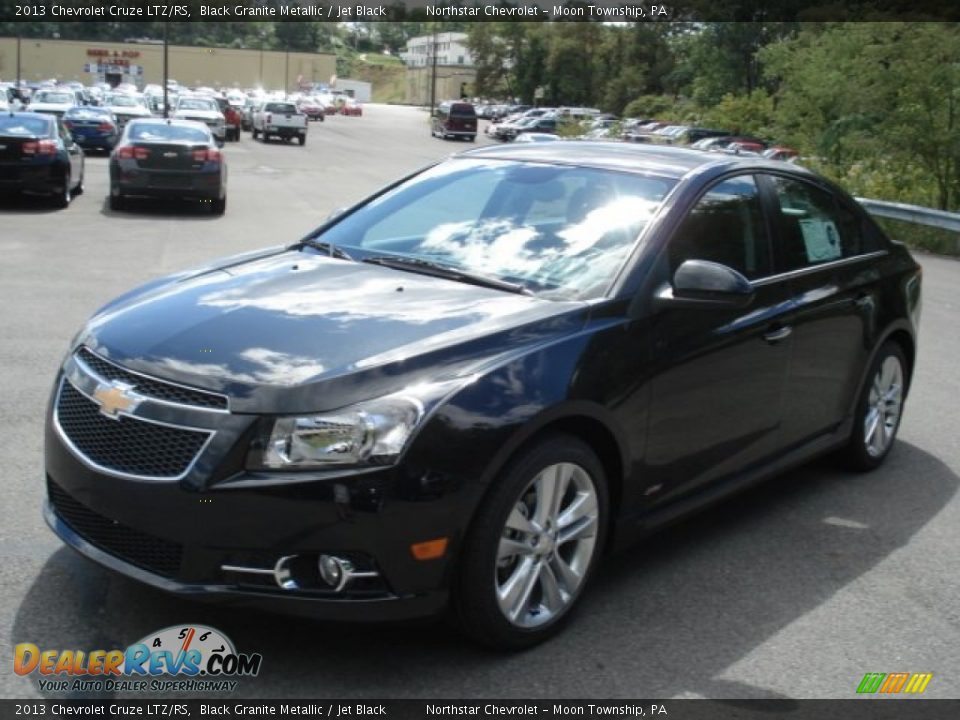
331	570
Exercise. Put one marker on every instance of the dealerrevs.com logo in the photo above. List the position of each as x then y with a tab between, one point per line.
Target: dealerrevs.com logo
187	658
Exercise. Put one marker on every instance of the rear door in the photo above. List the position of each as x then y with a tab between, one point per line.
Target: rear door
822	247
719	373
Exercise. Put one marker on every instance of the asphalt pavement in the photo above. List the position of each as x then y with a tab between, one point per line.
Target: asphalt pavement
795	589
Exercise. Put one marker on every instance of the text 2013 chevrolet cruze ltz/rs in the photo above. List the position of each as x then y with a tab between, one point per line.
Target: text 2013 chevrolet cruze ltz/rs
461	391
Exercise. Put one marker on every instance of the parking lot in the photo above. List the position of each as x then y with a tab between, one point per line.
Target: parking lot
794	589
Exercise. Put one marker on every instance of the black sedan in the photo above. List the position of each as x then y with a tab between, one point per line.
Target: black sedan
39	155
464	389
168	158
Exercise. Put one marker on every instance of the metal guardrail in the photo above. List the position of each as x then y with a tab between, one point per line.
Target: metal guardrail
912	214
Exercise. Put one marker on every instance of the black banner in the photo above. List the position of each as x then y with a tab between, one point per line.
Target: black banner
857	709
475	10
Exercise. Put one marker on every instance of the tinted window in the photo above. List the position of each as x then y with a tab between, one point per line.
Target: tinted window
281	108
725	226
20	126
815	228
159	132
462	110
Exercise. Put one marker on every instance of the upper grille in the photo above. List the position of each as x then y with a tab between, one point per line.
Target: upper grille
150	387
125	445
138	548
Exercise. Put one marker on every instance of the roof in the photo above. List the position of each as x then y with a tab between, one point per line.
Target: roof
664	160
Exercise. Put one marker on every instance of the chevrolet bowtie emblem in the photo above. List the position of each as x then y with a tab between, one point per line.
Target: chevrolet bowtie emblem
115	398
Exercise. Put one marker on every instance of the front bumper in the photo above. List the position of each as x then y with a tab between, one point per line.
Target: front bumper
185	539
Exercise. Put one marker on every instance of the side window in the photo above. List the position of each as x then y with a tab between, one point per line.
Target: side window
816	228
725	226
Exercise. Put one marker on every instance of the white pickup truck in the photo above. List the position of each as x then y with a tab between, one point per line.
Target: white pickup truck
280	119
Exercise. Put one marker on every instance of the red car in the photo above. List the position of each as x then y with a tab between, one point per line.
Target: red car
312	109
352	108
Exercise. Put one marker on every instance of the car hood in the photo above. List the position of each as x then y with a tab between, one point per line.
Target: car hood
298	332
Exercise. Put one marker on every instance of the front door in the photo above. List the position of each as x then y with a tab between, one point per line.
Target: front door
719	373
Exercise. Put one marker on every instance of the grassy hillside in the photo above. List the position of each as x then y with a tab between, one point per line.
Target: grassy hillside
384	72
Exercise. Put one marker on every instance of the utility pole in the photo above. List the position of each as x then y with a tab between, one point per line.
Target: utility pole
18	68
166	71
286	73
433	72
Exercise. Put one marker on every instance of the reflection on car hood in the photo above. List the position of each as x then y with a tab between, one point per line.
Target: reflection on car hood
298	332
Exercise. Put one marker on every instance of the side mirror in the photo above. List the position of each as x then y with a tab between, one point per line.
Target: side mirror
700	283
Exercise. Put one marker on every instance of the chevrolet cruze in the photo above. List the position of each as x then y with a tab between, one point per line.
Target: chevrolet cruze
461	391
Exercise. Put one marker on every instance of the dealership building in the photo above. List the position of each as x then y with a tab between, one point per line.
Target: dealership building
142	64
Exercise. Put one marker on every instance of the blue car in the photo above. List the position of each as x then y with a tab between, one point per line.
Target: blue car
92	127
38	155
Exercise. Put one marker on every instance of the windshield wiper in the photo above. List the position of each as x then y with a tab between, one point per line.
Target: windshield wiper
327	247
428	267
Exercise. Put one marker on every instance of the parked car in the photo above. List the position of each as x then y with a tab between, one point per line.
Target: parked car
126	107
530	137
779	152
281	120
350	107
313	108
38	155
454	120
203	109
92	127
168	158
53	100
543	124
468	387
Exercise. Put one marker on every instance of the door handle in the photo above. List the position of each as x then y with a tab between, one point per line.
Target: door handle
775	336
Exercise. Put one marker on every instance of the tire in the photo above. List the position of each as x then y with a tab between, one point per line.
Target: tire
481	594
117	203
62	198
880	407
219	206
472	138
255	132
302	140
78	190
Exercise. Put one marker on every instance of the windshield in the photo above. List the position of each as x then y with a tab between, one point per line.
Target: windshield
196	104
561	232
162	132
54	97
20	126
123	101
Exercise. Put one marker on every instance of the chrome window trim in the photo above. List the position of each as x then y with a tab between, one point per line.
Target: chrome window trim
117	473
150	398
842	262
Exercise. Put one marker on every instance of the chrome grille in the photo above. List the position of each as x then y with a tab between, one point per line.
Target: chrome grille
137	548
148	386
125	445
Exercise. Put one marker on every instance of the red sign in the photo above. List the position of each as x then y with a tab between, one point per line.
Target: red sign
116	55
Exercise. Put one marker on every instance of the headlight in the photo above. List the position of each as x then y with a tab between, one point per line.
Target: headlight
370	433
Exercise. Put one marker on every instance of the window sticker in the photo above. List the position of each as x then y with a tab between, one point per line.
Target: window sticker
821	239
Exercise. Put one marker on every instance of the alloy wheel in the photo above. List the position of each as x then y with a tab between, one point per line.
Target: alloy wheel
884	404
547	545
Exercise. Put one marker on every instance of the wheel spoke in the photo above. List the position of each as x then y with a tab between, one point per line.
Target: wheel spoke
870	428
585	527
583	503
515	593
888	373
511	548
546	483
518	521
553	597
568	577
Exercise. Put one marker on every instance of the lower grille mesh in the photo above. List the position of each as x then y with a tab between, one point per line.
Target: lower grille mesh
137	548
